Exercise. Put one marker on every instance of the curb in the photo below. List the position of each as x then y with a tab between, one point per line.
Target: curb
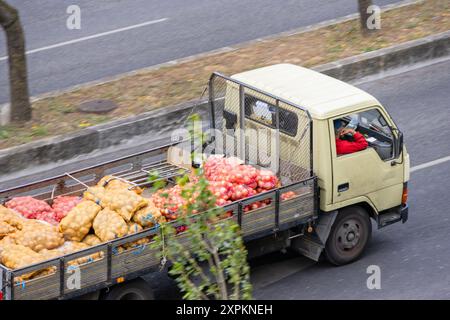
379	61
164	120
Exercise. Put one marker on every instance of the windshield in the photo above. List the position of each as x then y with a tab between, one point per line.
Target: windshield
372	119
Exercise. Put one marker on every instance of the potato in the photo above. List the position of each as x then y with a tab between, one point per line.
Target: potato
94	194
132	229
149	215
5	243
71	247
15	256
5	229
92	240
76	225
11	217
109	225
118	250
124	202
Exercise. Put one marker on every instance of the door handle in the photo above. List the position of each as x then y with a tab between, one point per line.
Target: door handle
343	187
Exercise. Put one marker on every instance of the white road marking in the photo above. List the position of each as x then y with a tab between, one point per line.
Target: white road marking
430	164
94	36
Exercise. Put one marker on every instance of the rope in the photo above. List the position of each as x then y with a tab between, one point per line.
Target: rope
53	192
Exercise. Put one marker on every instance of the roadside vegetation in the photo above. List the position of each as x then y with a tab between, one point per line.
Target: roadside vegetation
173	84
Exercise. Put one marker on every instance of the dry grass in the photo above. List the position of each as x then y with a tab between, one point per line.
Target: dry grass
185	81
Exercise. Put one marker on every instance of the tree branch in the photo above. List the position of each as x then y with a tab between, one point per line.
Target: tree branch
18	78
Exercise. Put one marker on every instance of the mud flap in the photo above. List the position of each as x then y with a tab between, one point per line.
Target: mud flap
312	245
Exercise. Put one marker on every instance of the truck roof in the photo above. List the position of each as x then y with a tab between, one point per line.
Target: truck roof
321	95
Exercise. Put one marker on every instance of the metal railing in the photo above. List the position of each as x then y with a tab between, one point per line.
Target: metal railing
254	124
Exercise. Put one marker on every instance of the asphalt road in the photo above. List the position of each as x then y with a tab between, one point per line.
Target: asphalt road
191	27
414	257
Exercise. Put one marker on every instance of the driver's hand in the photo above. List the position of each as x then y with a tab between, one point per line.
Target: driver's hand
347	130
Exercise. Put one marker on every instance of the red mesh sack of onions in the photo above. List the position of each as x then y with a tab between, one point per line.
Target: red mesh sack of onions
217	168
169	205
63	204
32	208
231	170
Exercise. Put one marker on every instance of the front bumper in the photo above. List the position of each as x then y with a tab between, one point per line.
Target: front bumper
393	215
404	211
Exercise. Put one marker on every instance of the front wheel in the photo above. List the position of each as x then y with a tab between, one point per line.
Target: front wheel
349	236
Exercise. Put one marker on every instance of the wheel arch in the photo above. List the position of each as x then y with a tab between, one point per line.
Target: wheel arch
367	207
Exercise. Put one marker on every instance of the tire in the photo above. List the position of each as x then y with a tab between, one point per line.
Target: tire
137	289
349	236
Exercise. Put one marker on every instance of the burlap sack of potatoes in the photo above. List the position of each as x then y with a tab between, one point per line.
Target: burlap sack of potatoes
16	256
91	240
5	229
132	229
149	215
38	235
123	201
118	250
109	225
71	247
6	241
94	194
113	183
76	225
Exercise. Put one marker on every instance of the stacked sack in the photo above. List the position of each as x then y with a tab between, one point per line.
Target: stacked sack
32	208
229	180
112	209
30	232
25	238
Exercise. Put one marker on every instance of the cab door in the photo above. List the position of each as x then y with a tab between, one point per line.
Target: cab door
373	172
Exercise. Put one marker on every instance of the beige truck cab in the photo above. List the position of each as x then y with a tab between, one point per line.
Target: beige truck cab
371	182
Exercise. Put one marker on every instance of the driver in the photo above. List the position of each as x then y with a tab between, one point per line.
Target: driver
344	146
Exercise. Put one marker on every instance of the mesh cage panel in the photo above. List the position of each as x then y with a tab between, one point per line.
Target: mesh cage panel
260	129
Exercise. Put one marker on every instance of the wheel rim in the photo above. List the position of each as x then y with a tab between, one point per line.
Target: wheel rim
349	235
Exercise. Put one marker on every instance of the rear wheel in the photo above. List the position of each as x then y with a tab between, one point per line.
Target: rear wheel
349	236
137	289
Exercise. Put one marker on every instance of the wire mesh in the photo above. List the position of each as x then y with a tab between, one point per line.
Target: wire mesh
261	129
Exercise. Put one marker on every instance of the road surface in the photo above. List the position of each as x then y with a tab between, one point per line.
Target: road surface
118	36
414	257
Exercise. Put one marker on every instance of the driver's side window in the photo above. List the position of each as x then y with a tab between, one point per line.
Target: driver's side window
375	129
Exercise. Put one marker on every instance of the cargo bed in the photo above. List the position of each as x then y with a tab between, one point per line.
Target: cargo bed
116	267
290	129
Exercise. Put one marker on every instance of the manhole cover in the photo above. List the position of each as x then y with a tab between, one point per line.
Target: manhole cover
97	106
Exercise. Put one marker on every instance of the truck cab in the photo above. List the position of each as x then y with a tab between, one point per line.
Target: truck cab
371	182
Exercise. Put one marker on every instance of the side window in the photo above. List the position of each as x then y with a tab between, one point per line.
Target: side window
375	129
265	113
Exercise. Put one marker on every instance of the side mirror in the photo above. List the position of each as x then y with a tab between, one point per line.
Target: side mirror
398	144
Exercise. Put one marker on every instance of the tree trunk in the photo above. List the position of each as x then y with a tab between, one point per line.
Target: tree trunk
18	82
364	16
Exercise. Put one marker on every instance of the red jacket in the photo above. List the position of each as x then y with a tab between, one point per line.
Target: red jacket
344	146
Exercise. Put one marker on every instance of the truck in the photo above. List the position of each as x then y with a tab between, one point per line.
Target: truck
280	117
